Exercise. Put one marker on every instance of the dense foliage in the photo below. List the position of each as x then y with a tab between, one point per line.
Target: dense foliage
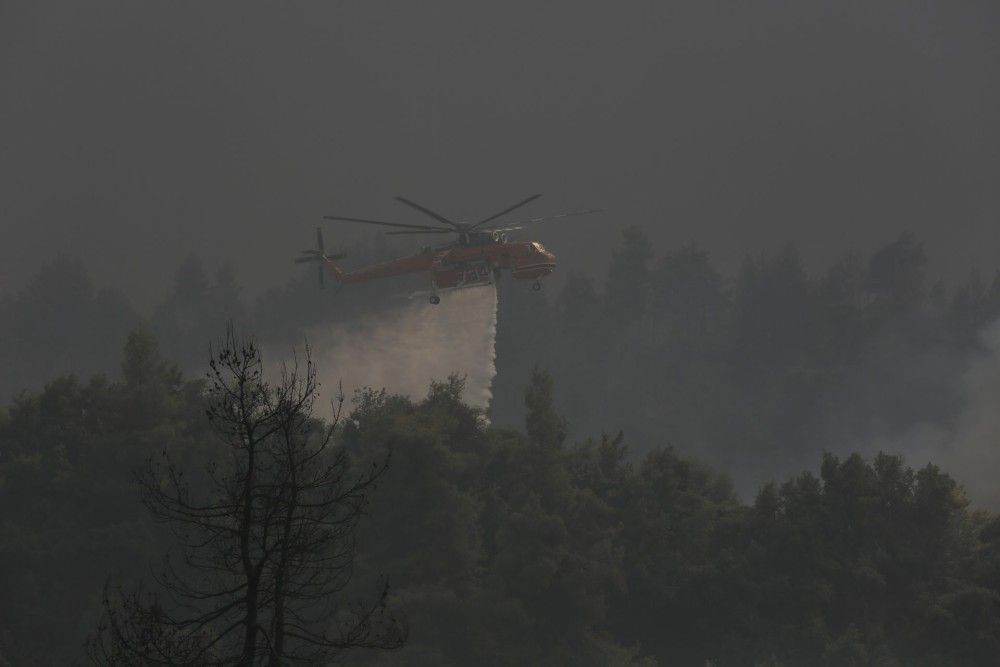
69	513
520	547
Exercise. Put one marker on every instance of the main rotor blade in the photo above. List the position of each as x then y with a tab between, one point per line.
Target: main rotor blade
536	221
380	222
505	211
426	231
436	216
317	256
502	229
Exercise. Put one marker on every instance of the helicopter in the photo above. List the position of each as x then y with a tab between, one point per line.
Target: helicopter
477	256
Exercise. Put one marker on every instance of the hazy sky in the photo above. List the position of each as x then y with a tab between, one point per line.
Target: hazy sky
135	133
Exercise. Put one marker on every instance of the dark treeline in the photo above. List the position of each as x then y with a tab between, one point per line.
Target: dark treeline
759	373
61	324
519	546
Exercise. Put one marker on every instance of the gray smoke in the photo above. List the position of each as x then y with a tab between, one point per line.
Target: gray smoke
969	451
973	452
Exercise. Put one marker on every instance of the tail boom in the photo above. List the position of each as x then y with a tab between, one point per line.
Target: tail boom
338	273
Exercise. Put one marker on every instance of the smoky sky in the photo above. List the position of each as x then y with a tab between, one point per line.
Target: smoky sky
137	133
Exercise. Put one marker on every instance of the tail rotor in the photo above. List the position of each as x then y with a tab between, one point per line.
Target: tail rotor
318	255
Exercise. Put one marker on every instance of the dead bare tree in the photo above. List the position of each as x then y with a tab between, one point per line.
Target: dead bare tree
266	538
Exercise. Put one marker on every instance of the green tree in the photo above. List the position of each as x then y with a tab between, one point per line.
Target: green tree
68	514
543	426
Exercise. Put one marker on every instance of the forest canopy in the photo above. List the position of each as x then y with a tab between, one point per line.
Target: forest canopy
635	494
509	546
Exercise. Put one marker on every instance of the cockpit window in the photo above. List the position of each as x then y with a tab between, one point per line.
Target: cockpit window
537	247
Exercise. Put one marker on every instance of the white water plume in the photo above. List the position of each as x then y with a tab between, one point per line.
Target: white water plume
403	349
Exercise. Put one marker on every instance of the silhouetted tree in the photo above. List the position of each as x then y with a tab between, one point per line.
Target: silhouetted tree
60	323
628	277
266	537
896	272
578	310
197	307
687	295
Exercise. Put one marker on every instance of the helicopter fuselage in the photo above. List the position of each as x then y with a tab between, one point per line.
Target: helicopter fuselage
463	264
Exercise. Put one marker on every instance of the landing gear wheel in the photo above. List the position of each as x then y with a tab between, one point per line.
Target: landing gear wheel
435	299
536	286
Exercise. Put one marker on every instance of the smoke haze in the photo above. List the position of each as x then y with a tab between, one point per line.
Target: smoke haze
138	133
970	450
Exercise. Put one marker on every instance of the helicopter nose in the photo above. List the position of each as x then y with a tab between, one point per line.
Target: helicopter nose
548	262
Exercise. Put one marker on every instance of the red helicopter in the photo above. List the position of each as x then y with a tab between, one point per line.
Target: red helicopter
476	257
